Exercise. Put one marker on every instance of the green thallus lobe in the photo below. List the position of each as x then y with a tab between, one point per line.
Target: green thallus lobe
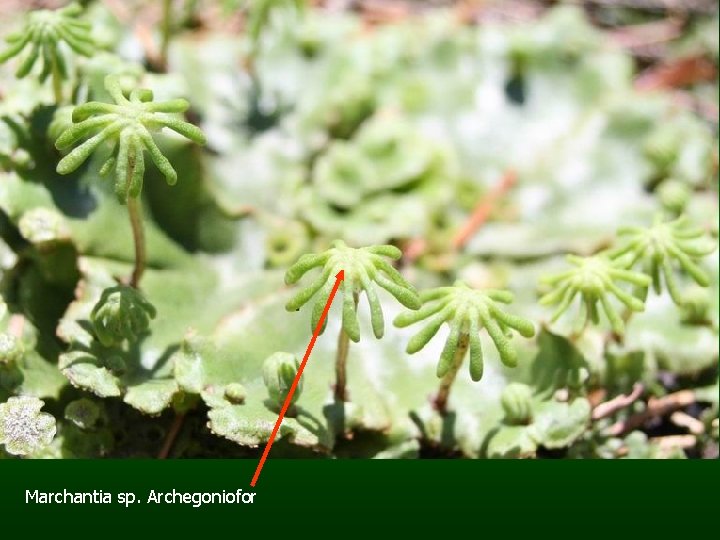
83	412
24	429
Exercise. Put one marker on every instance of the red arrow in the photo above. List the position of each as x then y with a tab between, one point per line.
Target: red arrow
338	278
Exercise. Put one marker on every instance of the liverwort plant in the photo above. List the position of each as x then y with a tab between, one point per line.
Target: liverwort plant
122	313
279	371
516	401
663	246
674	196
49	36
466	311
364	268
595	280
128	125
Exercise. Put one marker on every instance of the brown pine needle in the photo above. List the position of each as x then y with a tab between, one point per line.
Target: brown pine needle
610	407
482	211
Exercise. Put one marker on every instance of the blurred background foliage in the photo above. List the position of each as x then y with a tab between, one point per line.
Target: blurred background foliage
485	139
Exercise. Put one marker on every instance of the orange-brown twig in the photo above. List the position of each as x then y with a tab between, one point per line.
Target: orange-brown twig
603	410
378	12
669	443
482	211
655	408
684	420
143	33
677	73
417	246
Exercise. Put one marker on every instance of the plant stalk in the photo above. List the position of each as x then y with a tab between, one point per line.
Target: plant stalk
166	27
341	363
441	399
56	82
172	434
135	212
341	366
579	331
